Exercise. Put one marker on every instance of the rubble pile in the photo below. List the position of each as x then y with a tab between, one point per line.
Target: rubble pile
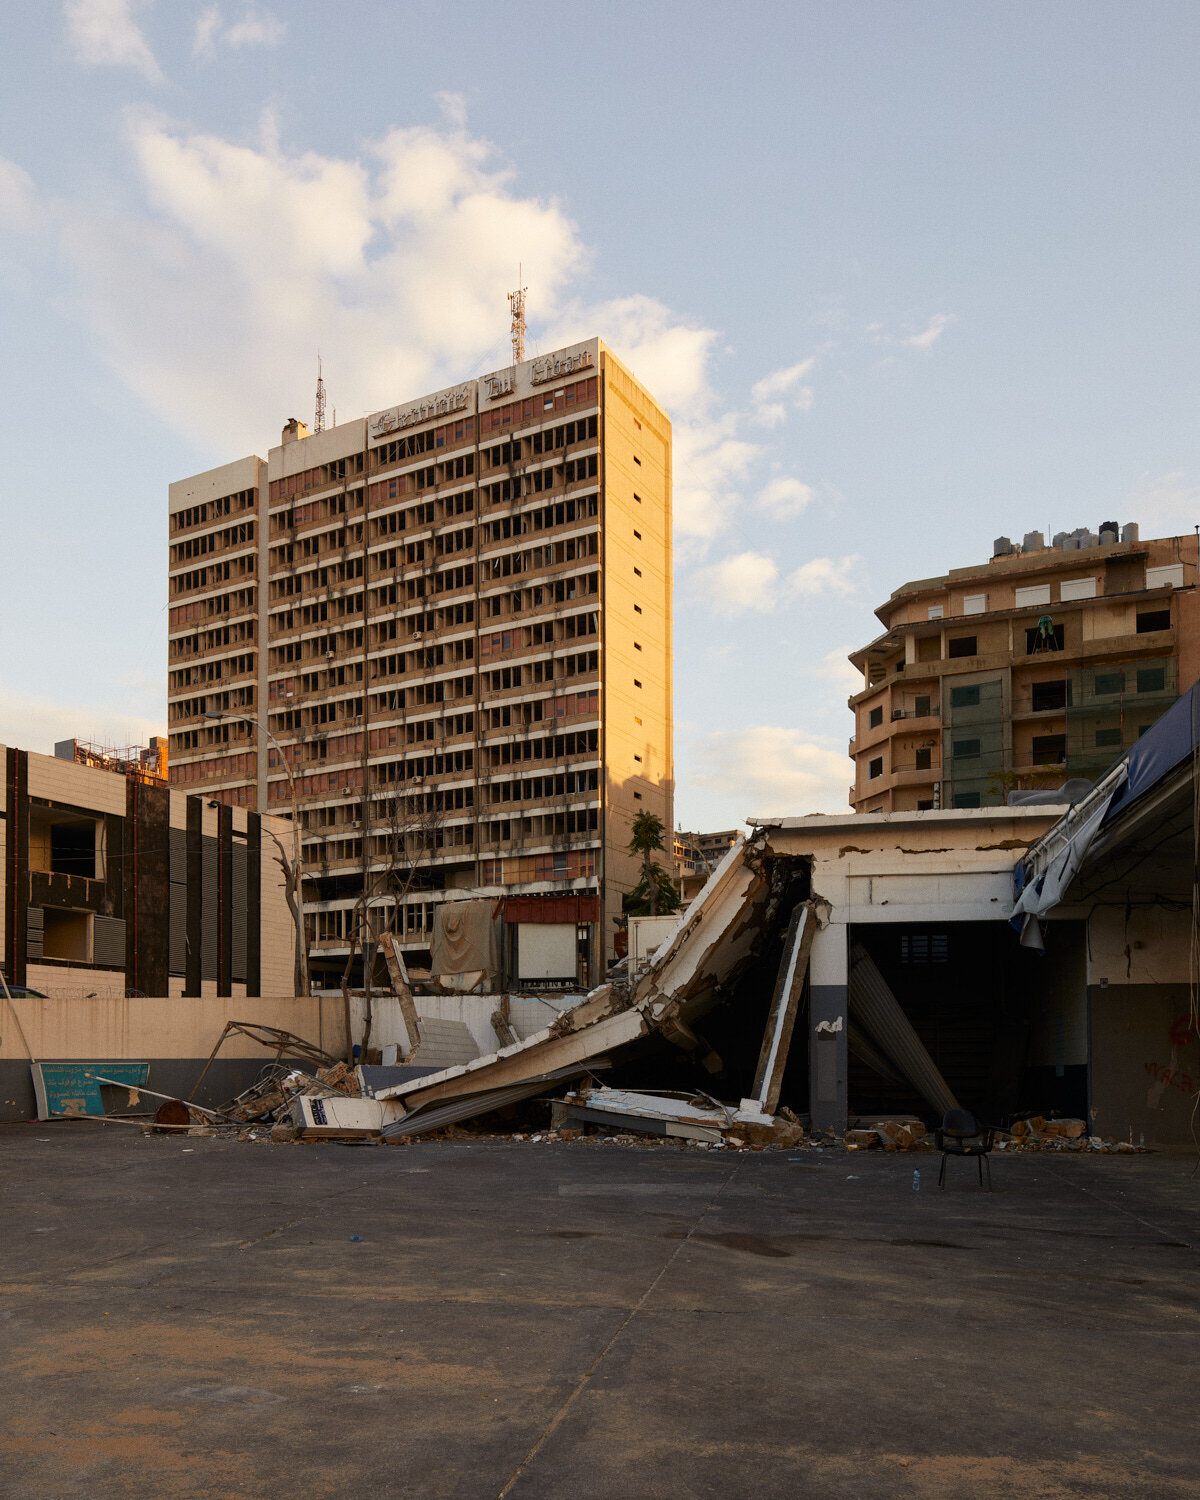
890	1135
1039	1134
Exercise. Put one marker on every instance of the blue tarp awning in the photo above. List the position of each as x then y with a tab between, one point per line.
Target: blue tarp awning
1165	745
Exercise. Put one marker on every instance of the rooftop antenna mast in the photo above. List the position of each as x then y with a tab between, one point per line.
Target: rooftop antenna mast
516	303
319	420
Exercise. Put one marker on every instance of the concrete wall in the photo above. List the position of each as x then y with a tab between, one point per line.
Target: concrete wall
637	655
175	1036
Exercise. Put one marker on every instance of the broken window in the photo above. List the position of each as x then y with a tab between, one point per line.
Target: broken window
1048	695
961	645
1153	619
875	767
1049	749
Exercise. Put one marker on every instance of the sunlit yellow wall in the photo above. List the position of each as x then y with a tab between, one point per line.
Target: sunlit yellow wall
639	764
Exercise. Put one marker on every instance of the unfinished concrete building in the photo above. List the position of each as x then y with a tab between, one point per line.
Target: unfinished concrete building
445	631
1043	664
111	883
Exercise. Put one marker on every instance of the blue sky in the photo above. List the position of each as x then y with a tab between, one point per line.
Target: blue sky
907	276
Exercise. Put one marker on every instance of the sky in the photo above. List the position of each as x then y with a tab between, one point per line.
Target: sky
906	276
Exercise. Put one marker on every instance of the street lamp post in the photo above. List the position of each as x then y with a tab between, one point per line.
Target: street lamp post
301	946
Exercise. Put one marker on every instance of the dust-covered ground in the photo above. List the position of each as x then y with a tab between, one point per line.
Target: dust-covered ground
203	1317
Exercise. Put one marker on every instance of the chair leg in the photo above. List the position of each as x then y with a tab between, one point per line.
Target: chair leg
979	1163
942	1173
988	1165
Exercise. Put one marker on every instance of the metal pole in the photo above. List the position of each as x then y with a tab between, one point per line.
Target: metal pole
296	865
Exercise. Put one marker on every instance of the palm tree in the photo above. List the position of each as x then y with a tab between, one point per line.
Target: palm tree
647	833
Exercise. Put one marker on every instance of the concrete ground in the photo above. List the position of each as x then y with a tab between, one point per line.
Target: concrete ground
198	1317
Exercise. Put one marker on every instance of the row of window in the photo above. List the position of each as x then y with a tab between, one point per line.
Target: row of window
213	510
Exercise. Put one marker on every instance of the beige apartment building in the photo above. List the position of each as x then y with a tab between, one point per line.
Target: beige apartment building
1044	664
445	629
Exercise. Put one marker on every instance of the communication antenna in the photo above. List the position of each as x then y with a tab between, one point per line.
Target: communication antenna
516	303
319	421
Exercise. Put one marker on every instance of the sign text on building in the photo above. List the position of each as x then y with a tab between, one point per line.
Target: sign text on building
398	417
555	366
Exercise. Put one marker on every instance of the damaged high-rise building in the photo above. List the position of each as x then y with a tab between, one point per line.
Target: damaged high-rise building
1044	664
443	632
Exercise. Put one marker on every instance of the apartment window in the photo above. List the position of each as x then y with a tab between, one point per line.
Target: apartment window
637	609
637	645
964	697
974	604
1107	738
1030	598
961	645
936	611
1049	749
637	572
636	683
637	460
1153	619
1108	683
966	799
637	796
924	759
965	749
1048	695
1035	641
875	767
637	497
875	718
926	805
1151	679
1170	576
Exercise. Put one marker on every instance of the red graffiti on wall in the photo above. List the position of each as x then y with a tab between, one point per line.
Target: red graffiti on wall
1182	1031
1173	1077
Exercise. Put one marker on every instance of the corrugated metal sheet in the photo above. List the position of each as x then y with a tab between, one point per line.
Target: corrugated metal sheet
881	1014
209	910
238	914
108	941
178	855
177	936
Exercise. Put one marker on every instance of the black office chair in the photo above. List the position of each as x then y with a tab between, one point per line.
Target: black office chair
962	1135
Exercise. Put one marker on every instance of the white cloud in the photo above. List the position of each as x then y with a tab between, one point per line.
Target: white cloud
38	723
777	772
743	582
836	669
103	33
253	30
824	576
783	498
1164	504
930	334
395	263
773	394
453	106
18	200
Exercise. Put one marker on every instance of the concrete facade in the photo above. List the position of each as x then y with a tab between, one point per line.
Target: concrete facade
111	884
1043	664
454	619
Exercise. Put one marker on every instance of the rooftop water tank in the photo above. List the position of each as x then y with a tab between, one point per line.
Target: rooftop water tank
1034	541
1129	532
